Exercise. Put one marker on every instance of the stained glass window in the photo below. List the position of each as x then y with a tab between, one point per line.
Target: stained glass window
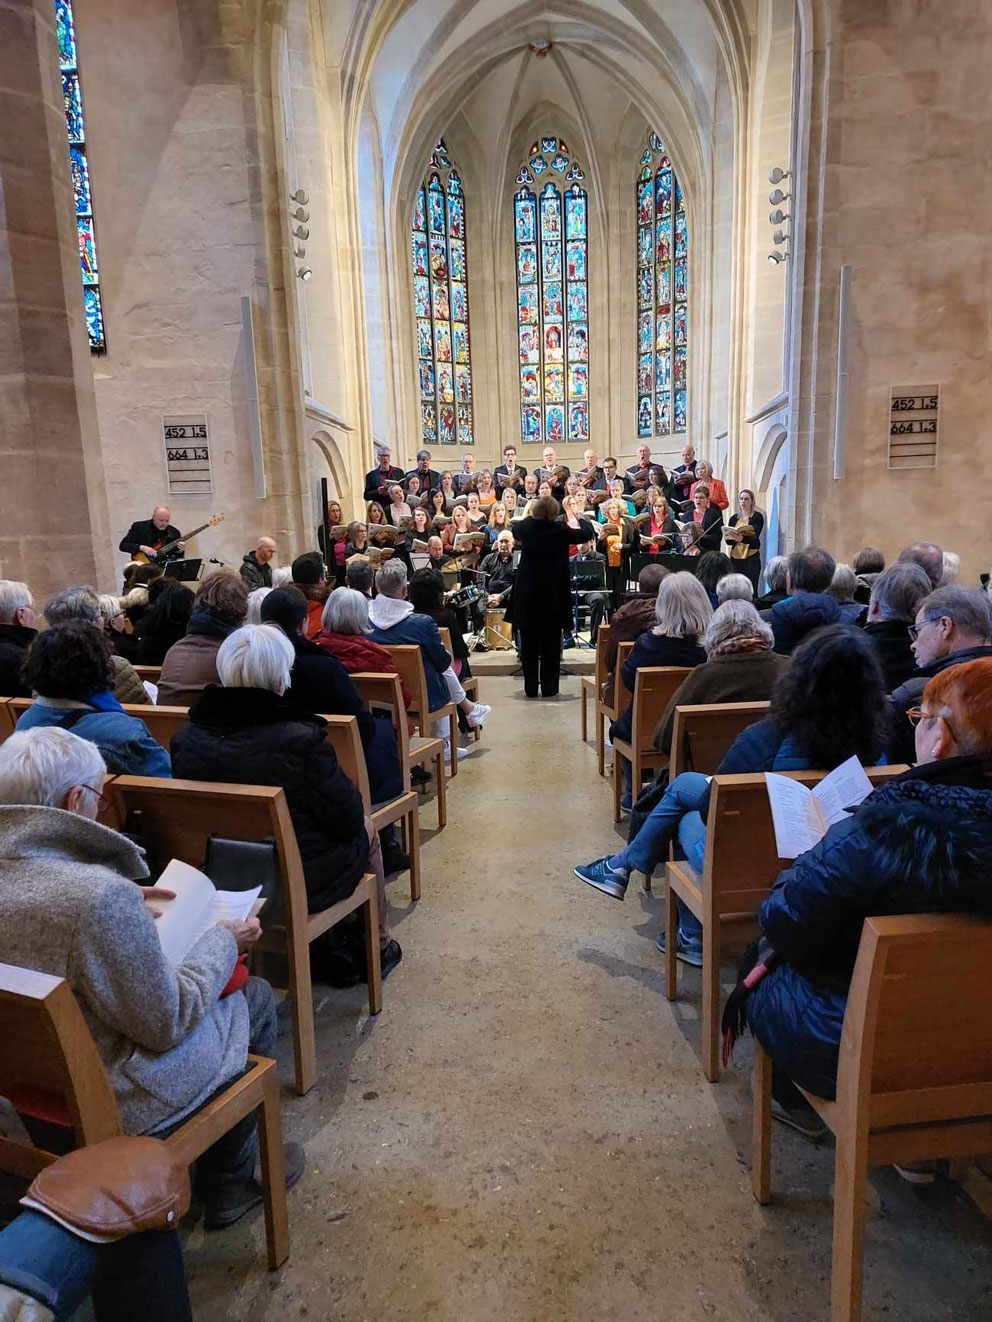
662	295
75	123
551	230
440	295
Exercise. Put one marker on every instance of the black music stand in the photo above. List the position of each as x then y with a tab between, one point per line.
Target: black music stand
589	569
185	571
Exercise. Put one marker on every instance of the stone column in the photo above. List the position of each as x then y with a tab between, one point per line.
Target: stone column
53	506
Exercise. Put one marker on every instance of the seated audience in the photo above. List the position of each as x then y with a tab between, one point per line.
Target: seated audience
310	577
895	598
117	626
828	706
246	731
952	625
710	568
809	606
82	603
952	568
682	612
634	617
191	664
929	556
282	576
256	566
918	844
169	1036
842	588
17	633
70	669
138	578
740	665
867	565
734	587
358	575
165	621
776	576
253	613
344	633
427	597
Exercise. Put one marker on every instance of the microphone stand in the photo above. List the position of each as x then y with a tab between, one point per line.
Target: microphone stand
577	639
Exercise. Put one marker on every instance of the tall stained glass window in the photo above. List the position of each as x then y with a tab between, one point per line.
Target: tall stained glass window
440	295
551	228
75	123
662	295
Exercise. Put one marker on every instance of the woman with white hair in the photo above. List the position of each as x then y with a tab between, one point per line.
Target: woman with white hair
842	588
255	599
776	583
717	490
246	731
344	633
740	664
734	587
169	1037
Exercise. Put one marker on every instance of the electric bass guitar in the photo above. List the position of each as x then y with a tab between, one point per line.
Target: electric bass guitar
166	551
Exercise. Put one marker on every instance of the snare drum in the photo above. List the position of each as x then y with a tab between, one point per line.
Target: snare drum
499	632
462	597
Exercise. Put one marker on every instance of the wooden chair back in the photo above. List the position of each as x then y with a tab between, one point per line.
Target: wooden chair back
701	736
8	720
445	633
599	660
343	736
160	722
654	688
152	673
917	1041
409	663
384	693
622	696
50	1067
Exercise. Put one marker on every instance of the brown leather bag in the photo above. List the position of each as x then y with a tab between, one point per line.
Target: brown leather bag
113	1189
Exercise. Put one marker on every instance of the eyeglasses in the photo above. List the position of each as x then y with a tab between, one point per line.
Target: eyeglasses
101	798
917	714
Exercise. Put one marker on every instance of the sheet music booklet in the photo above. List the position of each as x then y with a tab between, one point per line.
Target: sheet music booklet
198	906
802	816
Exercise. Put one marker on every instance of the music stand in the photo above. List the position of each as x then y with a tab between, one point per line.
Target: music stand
185	571
590	569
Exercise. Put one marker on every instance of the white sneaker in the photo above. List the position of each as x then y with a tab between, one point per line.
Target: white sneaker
477	715
462	752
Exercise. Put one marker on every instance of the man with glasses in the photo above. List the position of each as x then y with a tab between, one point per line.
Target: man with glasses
952	625
17	633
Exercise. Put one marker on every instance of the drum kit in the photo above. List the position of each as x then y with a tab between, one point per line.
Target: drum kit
496	632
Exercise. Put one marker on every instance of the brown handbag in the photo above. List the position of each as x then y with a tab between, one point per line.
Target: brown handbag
120	1187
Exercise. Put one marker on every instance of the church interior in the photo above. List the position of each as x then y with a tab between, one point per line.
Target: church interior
284	237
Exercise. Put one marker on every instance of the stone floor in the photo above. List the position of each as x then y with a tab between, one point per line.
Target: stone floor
525	1135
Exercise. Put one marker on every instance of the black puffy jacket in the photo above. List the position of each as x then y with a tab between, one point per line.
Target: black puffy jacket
796	616
921	843
254	737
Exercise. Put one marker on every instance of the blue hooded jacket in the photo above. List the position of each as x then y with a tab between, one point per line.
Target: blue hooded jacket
798	615
921	843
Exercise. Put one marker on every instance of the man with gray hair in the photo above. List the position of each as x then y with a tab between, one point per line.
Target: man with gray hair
358	575
17	632
776	586
929	557
809	606
82	603
952	625
896	594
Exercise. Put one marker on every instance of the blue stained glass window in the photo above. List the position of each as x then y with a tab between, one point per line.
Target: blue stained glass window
662	295
79	170
551	233
440	297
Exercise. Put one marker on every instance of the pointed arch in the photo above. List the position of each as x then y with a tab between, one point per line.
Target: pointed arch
662	295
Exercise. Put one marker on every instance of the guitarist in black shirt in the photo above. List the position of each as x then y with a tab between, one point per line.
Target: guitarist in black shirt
147	535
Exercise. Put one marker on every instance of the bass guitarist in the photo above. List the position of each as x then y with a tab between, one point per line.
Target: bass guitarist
147	535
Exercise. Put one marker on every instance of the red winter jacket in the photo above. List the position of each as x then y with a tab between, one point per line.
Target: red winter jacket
358	653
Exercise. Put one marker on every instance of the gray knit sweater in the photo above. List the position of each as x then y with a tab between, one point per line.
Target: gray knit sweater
68	907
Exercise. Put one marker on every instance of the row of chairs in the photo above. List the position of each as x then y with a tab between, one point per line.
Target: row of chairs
52	1069
915	1074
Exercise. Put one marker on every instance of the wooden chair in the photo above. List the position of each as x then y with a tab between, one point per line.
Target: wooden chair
152	673
409	662
384	692
914	1079
161	722
654	687
8	719
470	685
740	866
343	735
701	736
50	1070
591	686
177	819
606	711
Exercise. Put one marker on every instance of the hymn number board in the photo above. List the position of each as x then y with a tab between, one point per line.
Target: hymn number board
913	414
187	455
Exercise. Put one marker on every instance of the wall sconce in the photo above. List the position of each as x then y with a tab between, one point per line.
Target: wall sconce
301	232
778	217
304	272
776	257
303	199
780	236
301	215
776	196
777	175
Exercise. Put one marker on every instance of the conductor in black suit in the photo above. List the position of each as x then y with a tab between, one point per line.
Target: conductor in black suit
541	605
378	482
146	535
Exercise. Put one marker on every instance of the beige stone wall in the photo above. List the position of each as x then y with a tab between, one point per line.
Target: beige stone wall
904	176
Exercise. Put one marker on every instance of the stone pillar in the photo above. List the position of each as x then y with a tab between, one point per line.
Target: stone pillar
53	506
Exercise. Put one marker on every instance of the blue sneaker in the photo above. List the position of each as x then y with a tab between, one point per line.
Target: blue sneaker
626	806
604	878
689	952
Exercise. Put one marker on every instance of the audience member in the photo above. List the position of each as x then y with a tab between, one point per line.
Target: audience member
842	588
117	626
809	606
359	575
929	556
82	603
165	621
918	844
138	578
247	731
191	664
828	706
710	568
253	611
867	565
952	568
256	567
895	598
169	1037
344	633
636	615
734	587
740	665
282	575
309	576
70	669
776	580
952	625
17	633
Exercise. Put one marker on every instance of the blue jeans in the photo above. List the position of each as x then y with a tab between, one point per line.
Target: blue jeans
675	817
142	1274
